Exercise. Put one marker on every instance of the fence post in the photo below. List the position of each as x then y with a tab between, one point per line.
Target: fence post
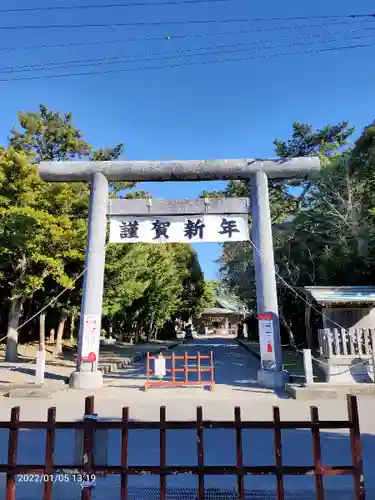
307	363
91	448
12	453
212	386
239	454
200	450
317	453
344	341
163	453
366	333
124	453
351	341
278	453
328	333
147	370
186	367
49	456
88	446
173	366
336	339
355	444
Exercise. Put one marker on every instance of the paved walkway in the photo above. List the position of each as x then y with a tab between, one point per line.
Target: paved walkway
235	368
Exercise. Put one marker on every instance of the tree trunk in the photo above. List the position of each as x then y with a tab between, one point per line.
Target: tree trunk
150	331
60	333
137	335
12	333
42	331
3	308
51	339
154	336
72	325
240	330
310	342
288	329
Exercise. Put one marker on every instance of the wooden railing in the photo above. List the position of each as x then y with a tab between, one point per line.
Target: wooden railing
356	342
90	427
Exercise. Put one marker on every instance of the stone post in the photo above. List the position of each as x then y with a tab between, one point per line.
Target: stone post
265	278
87	375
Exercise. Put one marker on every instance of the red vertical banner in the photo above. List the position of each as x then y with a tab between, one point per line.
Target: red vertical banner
91	337
266	337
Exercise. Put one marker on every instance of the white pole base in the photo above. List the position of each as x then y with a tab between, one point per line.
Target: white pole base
86	380
272	380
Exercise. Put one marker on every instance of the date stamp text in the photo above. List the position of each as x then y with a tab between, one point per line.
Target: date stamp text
57	478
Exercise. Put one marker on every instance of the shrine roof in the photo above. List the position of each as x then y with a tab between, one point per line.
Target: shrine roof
225	305
217	311
330	295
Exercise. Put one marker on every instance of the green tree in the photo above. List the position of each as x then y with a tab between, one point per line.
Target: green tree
43	229
315	246
31	240
30	205
48	136
211	289
149	286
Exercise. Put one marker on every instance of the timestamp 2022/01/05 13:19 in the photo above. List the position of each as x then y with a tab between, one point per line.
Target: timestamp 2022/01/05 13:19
56	478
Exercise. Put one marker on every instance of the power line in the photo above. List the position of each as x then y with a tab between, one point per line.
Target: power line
50	303
76	63
175	37
186	22
187	64
115	5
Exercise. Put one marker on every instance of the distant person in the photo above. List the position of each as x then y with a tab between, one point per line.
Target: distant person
240	331
189	332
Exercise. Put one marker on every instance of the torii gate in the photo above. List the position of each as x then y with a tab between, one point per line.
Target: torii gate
254	171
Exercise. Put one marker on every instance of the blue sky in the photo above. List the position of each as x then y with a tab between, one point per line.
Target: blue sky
225	110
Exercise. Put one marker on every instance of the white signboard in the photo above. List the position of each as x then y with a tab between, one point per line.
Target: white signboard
179	229
160	367
266	337
91	337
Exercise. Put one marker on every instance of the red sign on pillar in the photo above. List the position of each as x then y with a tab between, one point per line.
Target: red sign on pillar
90	358
266	336
91	338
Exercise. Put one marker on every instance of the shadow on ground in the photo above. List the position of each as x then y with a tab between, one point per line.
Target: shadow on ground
31	372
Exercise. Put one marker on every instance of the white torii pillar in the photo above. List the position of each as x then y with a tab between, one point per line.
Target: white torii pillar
87	375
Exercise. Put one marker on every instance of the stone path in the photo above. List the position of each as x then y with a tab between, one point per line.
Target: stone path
235	369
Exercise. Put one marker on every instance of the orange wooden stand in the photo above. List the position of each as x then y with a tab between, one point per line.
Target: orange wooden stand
171	372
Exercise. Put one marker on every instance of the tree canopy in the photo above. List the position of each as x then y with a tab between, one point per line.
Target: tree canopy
328	233
43	229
